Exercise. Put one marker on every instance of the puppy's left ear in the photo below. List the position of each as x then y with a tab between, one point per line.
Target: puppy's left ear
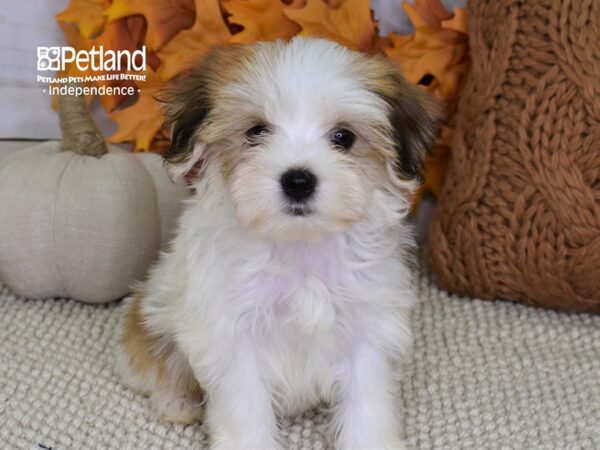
414	116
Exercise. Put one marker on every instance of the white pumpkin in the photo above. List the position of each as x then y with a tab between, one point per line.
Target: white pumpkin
80	218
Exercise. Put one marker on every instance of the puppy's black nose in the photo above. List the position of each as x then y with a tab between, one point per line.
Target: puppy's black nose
298	184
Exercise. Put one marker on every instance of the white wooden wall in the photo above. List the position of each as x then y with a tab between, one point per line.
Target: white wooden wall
24	109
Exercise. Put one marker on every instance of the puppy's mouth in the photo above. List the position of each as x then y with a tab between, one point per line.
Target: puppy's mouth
298	210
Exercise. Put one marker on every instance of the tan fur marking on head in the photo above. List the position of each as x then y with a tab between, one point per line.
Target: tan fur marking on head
193	100
380	75
226	62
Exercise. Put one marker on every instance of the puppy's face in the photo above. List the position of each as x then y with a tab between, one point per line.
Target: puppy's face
301	133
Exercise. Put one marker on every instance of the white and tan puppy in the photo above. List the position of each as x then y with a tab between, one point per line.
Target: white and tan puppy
287	283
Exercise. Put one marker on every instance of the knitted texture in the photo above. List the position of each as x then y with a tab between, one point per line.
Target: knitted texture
519	215
482	375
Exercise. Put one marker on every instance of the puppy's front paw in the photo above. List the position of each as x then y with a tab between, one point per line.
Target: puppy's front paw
184	409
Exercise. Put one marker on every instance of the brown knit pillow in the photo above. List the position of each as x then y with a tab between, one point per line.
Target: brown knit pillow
519	216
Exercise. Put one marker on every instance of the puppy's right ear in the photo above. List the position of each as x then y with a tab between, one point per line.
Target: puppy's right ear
188	105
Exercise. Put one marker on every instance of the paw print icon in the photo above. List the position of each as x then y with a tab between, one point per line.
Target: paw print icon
48	58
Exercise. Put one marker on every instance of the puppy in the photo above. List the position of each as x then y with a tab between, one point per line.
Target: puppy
287	283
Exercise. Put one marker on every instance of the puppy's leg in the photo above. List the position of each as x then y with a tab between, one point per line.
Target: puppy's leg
366	416
239	411
152	365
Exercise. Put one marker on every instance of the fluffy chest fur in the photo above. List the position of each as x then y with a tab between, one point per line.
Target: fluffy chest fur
251	279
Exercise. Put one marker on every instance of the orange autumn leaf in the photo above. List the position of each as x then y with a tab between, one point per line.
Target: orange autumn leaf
137	28
86	14
208	31
350	24
140	122
164	18
263	20
437	51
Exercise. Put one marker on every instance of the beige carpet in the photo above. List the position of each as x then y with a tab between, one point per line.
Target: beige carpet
482	376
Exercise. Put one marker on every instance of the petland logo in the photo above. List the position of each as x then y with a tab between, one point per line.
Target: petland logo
96	59
101	72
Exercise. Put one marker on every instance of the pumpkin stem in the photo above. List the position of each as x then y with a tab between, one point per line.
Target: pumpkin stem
79	132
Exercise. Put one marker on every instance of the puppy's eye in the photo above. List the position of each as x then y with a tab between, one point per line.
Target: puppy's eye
342	138
257	131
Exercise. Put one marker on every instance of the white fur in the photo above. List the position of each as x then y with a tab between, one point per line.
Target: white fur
272	321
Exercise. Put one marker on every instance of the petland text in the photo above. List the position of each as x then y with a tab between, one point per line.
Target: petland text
96	59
